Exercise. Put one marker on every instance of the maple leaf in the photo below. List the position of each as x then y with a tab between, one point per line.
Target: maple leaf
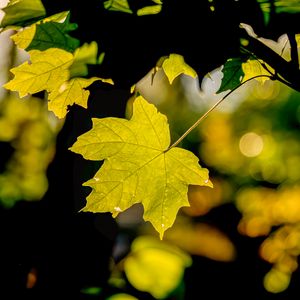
19	12
233	74
48	70
174	65
84	56
252	68
149	10
52	32
71	92
139	166
117	5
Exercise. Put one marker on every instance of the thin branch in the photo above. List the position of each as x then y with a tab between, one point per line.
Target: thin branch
294	50
286	69
211	109
274	76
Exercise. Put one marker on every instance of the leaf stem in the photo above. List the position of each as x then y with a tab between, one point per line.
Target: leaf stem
211	109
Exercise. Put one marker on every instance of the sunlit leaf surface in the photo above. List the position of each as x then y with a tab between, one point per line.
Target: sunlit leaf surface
139	166
18	12
47	70
174	65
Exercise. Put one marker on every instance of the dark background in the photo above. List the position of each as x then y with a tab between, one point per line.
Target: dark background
72	250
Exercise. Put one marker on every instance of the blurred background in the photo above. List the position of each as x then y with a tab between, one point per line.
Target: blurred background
240	239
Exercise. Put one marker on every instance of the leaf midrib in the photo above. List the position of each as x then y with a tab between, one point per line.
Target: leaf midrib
132	173
40	74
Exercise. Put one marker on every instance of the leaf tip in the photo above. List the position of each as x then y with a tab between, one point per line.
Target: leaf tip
209	183
161	234
162	230
82	210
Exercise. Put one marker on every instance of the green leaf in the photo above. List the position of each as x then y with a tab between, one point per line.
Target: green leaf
48	70
71	92
139	166
148	257
47	34
117	5
83	56
174	65
233	74
149	10
20	12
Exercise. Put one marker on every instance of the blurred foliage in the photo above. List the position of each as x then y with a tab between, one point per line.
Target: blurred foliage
31	131
122	297
278	6
91	290
201	239
153	266
256	147
251	146
281	249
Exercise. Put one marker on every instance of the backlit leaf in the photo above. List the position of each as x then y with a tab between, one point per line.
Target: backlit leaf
174	65
149	10
253	68
48	70
139	166
233	74
19	12
47	34
83	56
148	258
70	92
24	37
118	5
297	37
59	17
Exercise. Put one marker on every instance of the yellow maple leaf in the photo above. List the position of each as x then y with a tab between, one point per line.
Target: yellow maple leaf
252	68
47	70
71	92
139	166
174	65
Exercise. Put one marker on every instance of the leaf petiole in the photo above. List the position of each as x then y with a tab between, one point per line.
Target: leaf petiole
212	108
